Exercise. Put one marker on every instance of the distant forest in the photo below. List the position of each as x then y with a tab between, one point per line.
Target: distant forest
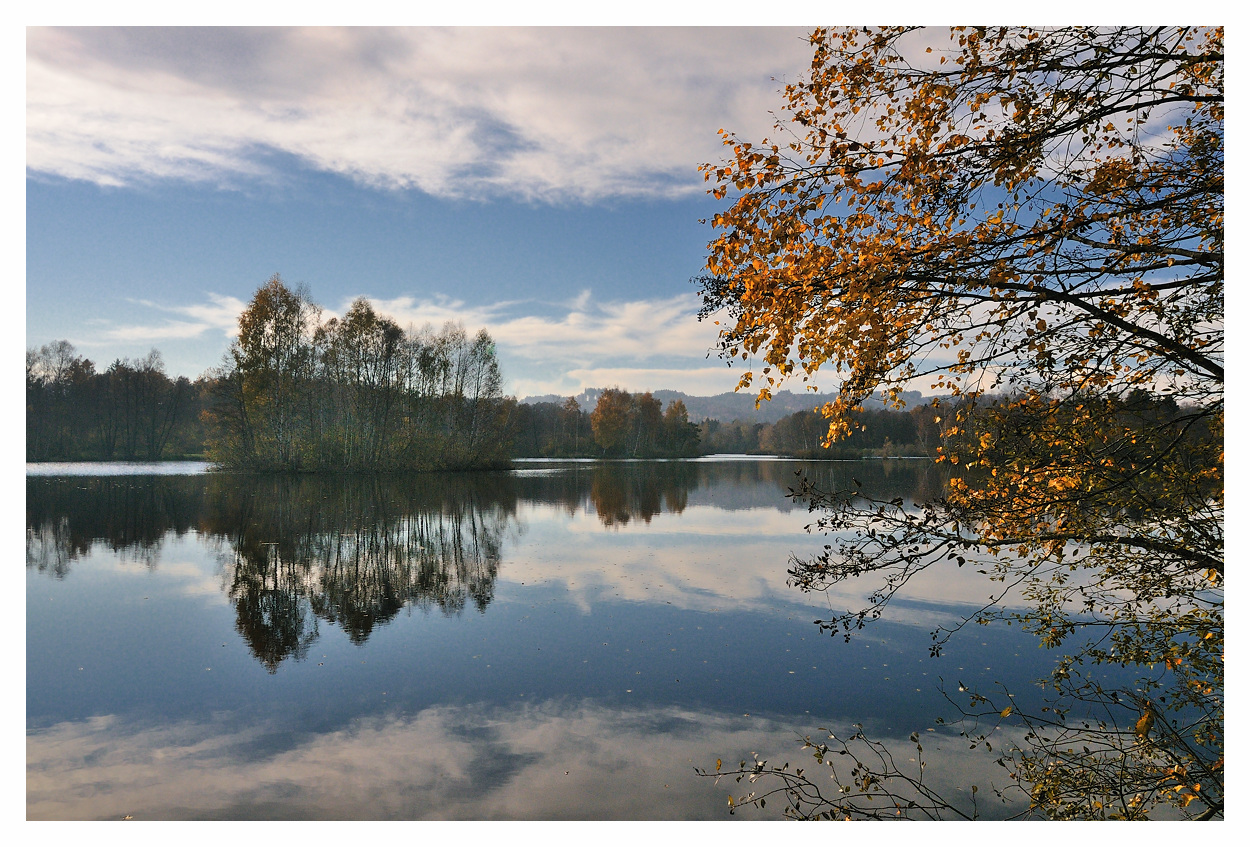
360	393
133	410
733	406
452	415
549	429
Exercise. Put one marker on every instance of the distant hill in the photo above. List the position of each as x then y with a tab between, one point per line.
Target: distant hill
730	406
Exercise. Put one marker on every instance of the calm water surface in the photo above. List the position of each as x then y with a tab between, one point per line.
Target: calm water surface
567	640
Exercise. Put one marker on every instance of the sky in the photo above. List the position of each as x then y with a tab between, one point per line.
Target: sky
540	183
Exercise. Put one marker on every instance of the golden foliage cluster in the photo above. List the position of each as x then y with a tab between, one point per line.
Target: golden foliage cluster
1043	206
1030	221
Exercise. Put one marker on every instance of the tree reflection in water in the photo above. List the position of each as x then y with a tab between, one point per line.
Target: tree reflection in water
623	491
353	551
349	550
131	515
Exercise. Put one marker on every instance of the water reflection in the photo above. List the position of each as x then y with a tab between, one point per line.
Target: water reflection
619	492
578	638
552	760
626	491
353	551
131	516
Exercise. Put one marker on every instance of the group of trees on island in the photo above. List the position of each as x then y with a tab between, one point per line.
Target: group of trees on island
354	393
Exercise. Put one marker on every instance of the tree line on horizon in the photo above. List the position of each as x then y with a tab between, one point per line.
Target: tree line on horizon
131	411
359	393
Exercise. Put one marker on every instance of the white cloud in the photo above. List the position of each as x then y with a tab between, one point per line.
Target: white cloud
638	344
635	330
170	330
546	114
220	313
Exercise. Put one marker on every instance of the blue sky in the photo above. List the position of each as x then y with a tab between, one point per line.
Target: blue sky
540	183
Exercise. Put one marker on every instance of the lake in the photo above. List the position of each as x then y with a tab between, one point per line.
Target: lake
568	640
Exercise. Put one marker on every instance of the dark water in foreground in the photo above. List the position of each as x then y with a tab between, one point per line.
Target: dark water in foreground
568	640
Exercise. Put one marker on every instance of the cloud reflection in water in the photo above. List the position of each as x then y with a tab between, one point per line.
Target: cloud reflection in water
545	761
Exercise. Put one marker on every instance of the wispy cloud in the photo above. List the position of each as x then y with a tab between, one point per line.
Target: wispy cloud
637	330
637	344
220	313
544	114
544	348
